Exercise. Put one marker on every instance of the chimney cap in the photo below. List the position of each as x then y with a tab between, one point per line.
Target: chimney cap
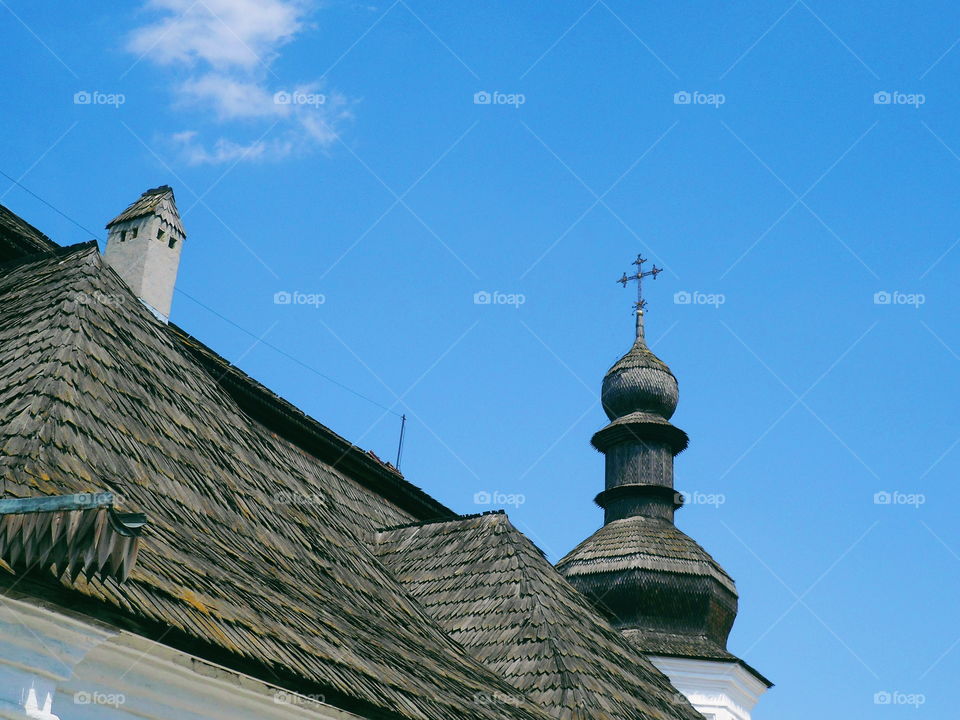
155	201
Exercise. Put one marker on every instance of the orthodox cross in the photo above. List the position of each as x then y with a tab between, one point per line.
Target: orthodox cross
639	276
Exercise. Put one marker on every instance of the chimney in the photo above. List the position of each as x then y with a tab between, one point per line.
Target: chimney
144	243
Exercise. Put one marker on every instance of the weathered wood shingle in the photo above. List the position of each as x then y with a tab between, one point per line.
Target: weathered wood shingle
496	594
253	547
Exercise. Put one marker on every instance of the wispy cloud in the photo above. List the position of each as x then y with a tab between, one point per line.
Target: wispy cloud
227	48
229	97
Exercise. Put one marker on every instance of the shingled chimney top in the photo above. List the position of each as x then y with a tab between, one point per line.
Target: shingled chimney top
144	243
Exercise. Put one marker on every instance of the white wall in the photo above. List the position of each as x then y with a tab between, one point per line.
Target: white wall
56	666
719	690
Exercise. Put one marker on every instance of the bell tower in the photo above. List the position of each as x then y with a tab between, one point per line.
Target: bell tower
144	243
654	583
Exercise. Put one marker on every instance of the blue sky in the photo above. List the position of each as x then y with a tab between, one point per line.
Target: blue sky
786	188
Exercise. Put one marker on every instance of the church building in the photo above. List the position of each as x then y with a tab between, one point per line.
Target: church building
177	542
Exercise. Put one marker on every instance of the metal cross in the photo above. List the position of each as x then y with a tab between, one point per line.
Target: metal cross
639	276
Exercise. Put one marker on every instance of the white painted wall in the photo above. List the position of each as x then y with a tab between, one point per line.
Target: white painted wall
719	690
56	666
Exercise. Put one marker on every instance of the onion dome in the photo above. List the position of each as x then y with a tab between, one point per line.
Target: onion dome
639	382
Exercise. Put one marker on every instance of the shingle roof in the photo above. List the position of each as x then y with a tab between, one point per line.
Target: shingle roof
642	543
495	593
253	548
379	480
656	584
640	356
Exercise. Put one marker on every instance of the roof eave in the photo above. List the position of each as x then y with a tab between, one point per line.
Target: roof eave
733	660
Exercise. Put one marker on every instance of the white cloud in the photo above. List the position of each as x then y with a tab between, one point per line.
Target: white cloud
224	150
222	33
299	130
226	48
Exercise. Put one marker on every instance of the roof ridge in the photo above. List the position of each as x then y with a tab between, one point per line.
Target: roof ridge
18	237
441	520
55	358
60	251
534	603
537	605
308	434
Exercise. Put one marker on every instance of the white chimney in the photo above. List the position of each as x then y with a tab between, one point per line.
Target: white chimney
144	243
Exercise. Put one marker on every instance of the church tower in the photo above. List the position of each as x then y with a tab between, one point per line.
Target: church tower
144	243
664	592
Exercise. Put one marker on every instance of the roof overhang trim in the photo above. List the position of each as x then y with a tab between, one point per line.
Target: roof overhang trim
639	428
658	492
72	534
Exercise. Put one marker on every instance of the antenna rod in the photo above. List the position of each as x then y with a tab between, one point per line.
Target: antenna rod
403	428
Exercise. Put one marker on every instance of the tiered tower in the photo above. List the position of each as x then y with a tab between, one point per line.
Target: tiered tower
655	584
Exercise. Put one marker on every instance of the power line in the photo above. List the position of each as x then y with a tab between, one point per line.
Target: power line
56	210
224	318
287	355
